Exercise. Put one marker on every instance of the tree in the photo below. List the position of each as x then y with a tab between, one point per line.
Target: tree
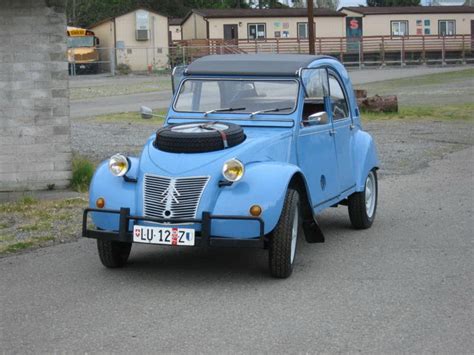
393	3
86	12
327	4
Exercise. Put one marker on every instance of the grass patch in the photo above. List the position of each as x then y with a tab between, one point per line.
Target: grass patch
82	172
40	226
131	118
462	112
25	244
29	223
429	79
435	90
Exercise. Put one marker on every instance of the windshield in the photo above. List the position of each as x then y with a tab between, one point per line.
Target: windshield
237	96
76	42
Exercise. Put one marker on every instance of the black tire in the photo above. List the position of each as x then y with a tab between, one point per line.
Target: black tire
280	243
358	215
113	254
171	139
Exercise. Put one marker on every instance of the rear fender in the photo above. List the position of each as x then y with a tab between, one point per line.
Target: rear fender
264	184
365	157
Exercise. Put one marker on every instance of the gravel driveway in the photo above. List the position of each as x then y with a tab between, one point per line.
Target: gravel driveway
404	146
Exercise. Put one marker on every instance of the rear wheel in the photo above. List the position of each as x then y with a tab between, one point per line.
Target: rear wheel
363	205
283	241
113	254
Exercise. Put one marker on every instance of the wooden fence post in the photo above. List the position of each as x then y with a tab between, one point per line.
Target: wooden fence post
443	52
402	52
423	53
361	51
341	56
320	47
463	55
382	51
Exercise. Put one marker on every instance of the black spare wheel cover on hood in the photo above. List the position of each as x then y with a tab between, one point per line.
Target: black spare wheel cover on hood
198	137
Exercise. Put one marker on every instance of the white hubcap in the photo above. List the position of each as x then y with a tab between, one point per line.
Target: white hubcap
294	234
370	194
199	127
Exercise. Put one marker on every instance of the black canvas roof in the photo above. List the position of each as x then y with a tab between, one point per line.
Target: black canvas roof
252	64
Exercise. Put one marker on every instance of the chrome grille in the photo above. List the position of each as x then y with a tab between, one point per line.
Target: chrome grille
165	197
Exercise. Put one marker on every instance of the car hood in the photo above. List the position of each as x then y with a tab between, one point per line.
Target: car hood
261	144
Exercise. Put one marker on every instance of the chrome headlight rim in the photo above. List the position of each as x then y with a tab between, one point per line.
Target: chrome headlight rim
234	162
114	161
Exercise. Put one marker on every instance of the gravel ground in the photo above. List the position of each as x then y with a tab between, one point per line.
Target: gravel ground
403	146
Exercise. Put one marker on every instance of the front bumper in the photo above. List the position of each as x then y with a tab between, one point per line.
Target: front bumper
204	238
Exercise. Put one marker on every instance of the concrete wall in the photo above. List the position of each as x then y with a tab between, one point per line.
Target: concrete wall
137	54
325	26
35	148
379	25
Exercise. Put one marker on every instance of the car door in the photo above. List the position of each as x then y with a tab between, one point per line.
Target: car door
342	131
316	151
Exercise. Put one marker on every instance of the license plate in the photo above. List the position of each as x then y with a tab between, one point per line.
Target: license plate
167	236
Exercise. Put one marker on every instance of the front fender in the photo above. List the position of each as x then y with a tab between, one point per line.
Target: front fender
116	192
263	184
365	157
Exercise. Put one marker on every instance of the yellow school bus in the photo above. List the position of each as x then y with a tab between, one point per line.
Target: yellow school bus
82	50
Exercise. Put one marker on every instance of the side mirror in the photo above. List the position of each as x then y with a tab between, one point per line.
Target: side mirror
146	112
317	118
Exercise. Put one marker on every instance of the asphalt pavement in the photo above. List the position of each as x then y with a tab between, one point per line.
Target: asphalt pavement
160	99
405	285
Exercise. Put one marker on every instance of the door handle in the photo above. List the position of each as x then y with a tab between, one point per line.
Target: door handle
332	132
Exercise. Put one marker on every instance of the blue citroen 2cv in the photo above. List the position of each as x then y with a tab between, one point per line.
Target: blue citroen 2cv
253	147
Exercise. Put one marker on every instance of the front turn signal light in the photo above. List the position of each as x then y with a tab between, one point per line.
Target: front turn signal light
100	202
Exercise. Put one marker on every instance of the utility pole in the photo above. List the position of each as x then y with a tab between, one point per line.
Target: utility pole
74	12
311	36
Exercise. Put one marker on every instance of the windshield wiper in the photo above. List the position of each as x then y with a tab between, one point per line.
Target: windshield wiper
228	109
270	110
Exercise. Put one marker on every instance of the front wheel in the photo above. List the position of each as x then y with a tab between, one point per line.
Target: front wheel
113	254
363	205
282	248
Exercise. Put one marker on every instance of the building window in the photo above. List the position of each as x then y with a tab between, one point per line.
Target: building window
302	30
447	27
399	28
257	31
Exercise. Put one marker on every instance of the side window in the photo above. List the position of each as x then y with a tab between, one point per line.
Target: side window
338	100
315	84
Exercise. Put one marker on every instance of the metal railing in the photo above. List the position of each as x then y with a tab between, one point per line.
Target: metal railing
365	50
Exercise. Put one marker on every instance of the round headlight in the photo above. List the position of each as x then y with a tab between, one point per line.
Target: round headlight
118	165
233	170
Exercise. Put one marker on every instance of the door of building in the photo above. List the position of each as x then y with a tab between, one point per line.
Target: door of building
231	33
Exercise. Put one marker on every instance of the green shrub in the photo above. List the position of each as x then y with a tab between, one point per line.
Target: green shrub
82	171
123	69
